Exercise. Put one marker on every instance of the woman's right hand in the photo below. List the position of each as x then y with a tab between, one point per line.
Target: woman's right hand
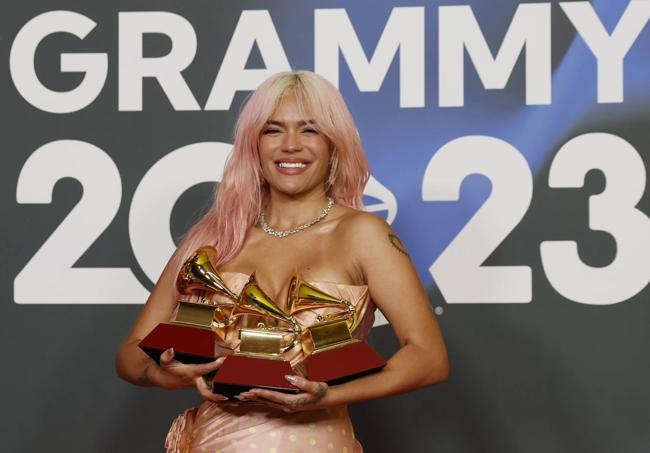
175	374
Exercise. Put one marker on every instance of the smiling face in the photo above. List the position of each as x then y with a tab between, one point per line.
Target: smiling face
294	155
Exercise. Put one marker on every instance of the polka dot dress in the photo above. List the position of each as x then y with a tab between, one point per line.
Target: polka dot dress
223	429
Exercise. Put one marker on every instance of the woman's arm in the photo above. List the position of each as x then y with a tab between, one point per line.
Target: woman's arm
133	365
395	288
397	291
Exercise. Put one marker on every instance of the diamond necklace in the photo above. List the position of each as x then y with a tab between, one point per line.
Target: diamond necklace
284	233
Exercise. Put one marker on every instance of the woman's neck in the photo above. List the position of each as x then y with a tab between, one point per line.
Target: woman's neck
284	212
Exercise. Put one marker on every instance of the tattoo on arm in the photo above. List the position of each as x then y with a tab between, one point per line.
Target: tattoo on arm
144	378
297	402
397	244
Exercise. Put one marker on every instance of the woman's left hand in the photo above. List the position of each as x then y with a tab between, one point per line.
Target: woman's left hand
312	394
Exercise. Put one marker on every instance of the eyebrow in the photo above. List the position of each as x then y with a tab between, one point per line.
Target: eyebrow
301	123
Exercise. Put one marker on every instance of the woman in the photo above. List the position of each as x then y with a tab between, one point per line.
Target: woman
290	199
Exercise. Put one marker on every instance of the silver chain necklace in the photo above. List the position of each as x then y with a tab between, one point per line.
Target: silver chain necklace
284	233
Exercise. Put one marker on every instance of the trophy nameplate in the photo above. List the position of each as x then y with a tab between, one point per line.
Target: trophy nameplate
196	315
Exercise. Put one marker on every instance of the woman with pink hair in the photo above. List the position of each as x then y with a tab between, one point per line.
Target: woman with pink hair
291	198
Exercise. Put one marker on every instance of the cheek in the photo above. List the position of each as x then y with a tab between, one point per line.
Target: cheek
264	156
265	145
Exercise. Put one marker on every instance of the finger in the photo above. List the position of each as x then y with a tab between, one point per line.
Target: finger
174	366
273	396
206	368
167	356
265	403
287	403
313	387
206	392
249	398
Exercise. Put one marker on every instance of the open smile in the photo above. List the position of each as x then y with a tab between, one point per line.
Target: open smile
291	164
291	167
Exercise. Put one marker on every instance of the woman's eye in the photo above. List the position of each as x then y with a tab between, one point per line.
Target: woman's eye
271	131
310	131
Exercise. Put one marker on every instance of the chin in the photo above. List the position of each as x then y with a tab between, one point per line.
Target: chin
293	190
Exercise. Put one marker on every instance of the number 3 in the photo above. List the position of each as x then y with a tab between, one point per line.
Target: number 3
612	211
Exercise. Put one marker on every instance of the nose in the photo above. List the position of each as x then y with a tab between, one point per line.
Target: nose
292	142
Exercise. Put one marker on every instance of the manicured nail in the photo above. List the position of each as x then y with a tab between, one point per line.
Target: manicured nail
241	398
171	350
291	378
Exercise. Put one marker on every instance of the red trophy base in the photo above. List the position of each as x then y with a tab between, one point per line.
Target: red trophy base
344	363
239	373
191	344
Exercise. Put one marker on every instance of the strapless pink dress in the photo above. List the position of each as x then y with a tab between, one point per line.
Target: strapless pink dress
250	428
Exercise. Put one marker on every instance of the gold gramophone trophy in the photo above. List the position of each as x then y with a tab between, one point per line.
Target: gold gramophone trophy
192	333
332	354
259	362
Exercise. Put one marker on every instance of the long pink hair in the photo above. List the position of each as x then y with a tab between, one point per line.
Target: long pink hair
242	194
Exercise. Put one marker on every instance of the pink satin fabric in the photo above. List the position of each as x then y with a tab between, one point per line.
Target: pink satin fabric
244	427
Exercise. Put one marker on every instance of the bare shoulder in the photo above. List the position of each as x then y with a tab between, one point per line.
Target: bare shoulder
355	222
366	233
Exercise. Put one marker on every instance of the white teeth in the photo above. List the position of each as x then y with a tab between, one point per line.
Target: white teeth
292	165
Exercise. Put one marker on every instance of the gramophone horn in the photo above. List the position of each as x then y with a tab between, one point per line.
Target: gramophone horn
198	274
